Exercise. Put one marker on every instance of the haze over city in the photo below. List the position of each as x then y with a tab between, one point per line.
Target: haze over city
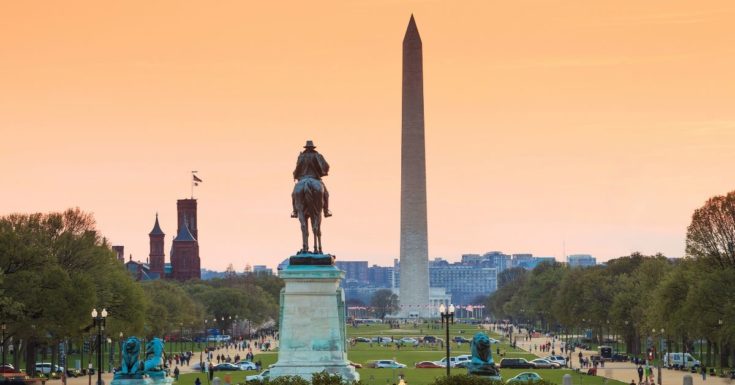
588	125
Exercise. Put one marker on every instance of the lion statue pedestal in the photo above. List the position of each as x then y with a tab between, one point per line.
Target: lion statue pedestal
134	372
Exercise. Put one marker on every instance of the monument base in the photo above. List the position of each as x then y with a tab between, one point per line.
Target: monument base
142	381
347	372
312	324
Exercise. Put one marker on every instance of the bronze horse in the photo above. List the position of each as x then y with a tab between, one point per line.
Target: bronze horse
308	197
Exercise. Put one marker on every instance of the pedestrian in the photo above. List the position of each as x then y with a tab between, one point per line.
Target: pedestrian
197	381
176	373
704	373
640	373
632	382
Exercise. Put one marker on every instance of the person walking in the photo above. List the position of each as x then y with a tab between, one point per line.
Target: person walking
704	373
176	373
640	374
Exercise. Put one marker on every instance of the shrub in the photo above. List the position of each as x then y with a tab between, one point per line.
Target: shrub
464	379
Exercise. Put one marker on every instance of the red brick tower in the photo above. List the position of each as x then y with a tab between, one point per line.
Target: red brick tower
185	254
185	261
157	256
187	211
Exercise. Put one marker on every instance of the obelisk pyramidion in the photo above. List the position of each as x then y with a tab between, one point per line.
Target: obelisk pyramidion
414	293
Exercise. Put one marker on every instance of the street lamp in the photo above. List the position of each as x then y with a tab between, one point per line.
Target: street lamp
719	344
120	340
98	320
659	354
448	316
3	328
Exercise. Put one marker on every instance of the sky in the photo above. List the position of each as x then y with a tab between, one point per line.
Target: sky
552	127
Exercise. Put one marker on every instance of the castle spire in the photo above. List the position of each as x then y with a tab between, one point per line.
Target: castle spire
156	228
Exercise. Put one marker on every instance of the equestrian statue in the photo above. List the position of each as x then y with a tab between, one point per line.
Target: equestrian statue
310	196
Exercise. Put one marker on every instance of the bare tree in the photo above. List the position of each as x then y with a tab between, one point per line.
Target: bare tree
711	235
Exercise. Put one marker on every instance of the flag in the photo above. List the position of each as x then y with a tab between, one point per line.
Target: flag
196	178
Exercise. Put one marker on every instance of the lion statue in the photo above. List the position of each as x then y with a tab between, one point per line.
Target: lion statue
154	356
482	359
481	348
130	361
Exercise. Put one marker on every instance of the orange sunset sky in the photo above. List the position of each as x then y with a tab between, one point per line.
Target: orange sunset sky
600	125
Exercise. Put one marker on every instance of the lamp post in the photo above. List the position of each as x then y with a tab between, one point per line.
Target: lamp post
98	320
448	316
719	345
658	379
120	340
3	328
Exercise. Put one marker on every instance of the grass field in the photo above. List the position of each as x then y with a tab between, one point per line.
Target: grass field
363	352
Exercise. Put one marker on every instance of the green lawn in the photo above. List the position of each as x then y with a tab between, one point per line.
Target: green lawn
363	352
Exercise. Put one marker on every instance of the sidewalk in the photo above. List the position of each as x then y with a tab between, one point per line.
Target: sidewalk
621	371
107	377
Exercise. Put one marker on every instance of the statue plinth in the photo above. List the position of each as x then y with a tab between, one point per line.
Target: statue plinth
312	323
311	259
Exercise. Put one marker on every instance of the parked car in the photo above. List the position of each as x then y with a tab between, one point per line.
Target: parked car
454	361
561	360
362	339
428	365
545	364
430	339
681	360
262	376
493	340
460	339
384	340
8	368
355	365
619	357
226	366
47	368
73	372
408	341
517	363
524	377
247	365
386	364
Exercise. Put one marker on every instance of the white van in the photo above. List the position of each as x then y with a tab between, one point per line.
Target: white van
680	360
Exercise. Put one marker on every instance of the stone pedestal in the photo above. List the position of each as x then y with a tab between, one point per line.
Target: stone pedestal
312	324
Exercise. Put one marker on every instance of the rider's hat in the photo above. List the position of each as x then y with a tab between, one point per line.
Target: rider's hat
310	144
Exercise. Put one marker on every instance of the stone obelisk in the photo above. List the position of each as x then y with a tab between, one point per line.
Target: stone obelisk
414	293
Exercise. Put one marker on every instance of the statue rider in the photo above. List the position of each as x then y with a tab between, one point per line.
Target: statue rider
311	164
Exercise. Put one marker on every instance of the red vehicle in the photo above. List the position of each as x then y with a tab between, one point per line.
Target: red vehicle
427	364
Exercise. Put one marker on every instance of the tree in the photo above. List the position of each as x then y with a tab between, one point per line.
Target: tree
711	234
384	302
56	268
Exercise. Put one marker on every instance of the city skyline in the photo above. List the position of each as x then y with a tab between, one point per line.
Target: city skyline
586	128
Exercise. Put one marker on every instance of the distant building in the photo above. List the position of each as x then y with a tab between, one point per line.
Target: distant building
500	261
462	282
185	262
262	270
355	271
521	260
119	253
380	276
581	260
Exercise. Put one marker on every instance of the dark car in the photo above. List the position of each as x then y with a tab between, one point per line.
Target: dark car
460	339
516	363
430	339
226	367
618	357
362	339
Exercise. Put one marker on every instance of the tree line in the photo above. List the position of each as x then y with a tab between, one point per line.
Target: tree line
56	267
643	301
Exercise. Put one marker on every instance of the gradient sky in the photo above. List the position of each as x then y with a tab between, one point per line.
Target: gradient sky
600	125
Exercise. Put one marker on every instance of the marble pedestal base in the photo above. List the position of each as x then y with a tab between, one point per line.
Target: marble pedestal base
312	324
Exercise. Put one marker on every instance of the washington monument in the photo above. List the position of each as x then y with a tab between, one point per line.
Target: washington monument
414	290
